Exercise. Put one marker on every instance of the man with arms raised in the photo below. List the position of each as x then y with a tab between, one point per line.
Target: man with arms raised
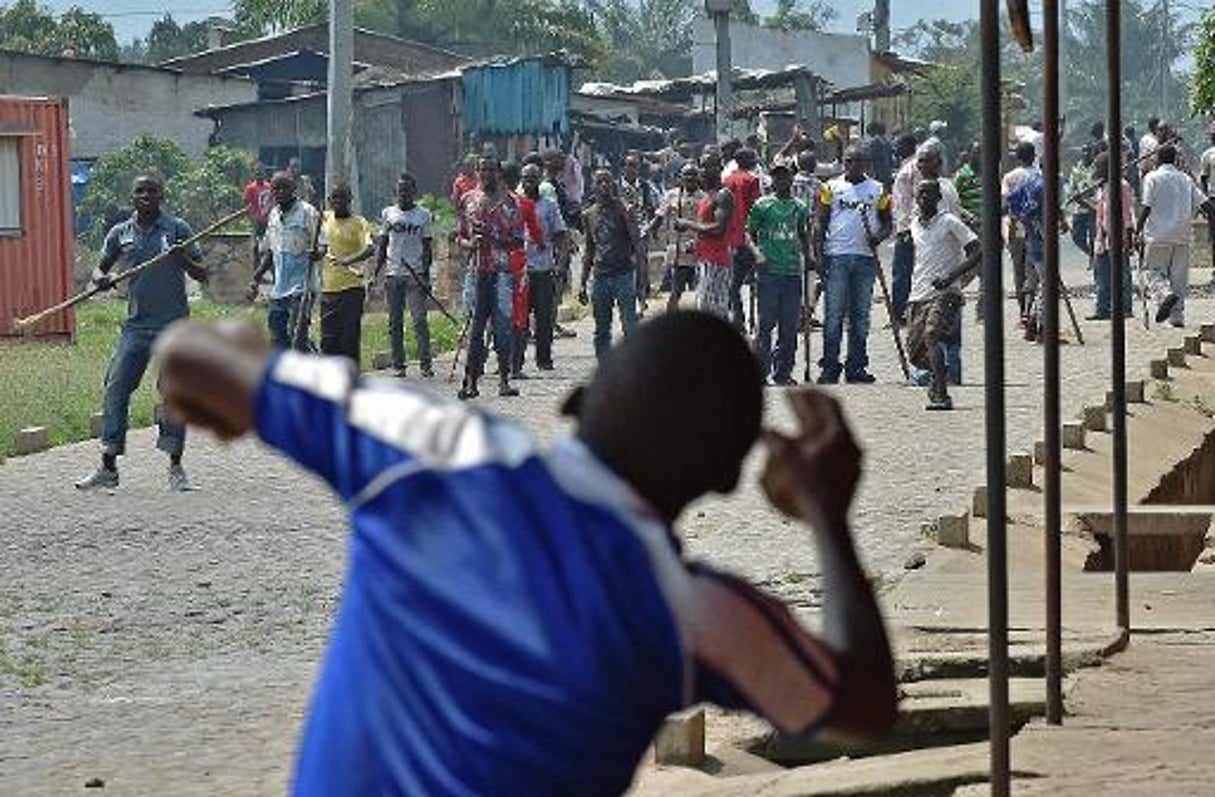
520	621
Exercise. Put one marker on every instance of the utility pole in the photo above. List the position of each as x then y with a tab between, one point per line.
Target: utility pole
339	156
881	25
1063	61
1165	67
719	11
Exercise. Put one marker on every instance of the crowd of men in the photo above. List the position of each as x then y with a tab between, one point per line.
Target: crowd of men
716	221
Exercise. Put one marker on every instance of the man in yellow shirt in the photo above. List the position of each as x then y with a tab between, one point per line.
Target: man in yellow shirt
346	239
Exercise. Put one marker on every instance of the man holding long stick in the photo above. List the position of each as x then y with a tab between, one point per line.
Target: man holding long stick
155	299
854	217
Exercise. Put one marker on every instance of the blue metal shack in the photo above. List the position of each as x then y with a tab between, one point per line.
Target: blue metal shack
521	97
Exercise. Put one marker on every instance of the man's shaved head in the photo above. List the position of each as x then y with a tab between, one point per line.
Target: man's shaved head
674	409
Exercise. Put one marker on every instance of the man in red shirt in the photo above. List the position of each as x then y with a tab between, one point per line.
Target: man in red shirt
466	180
712	250
258	201
744	186
490	229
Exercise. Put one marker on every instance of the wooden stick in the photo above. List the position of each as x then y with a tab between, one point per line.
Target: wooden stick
30	321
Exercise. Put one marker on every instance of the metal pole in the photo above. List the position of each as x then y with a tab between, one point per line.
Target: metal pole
341	54
724	88
993	344
1117	253
1052	493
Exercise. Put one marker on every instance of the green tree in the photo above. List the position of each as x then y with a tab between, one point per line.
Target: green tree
28	27
199	191
1202	87
270	16
167	40
644	38
800	15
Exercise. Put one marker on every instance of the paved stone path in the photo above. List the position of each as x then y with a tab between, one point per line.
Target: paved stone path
166	644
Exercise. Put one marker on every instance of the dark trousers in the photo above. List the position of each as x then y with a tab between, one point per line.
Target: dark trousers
486	310
404	293
289	320
900	275
342	323
743	274
127	366
780	304
542	298
1104	279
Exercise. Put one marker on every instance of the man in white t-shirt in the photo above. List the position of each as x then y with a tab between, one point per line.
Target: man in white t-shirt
1171	199
945	250
405	254
1148	145
1206	165
854	217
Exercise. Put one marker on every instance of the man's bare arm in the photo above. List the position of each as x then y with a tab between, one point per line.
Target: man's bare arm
813	477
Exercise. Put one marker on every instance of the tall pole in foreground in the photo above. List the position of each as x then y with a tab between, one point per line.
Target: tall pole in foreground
1052	487
993	356
1117	253
339	154
719	10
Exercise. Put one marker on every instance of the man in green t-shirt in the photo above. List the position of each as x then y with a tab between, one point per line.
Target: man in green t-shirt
778	230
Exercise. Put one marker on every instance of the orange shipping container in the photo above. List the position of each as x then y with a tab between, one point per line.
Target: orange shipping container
37	237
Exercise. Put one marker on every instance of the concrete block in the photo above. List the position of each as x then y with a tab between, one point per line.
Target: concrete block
1134	391
1095	419
381	360
1193	345
951	531
31	440
1176	358
1160	369
978	503
1207	333
1072	435
681	740
1020	470
96	420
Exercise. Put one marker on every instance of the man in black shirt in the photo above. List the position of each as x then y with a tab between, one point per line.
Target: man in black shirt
614	254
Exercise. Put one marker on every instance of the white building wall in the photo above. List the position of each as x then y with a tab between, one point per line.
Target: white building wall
110	104
843	60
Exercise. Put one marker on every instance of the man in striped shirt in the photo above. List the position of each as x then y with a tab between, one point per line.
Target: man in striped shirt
520	621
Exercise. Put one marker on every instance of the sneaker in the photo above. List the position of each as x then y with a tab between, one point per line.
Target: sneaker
785	381
1165	308
101	479
428	371
506	391
939	403
178	481
828	379
862	378
1097	317
561	332
519	375
544	366
1031	330
400	372
468	391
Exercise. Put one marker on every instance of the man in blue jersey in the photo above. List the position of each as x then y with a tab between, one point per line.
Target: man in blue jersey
520	621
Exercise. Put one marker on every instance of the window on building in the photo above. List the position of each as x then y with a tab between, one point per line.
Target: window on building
10	185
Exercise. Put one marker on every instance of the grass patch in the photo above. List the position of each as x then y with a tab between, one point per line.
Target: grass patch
58	385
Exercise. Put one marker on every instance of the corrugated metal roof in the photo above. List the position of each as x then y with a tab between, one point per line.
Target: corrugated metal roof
516	98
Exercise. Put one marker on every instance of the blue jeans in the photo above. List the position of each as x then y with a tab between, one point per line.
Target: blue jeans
617	290
900	276
953	366
127	366
284	323
848	293
1102	277
780	303
487	309
1082	232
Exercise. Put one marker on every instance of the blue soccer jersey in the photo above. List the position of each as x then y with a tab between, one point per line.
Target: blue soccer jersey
512	621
